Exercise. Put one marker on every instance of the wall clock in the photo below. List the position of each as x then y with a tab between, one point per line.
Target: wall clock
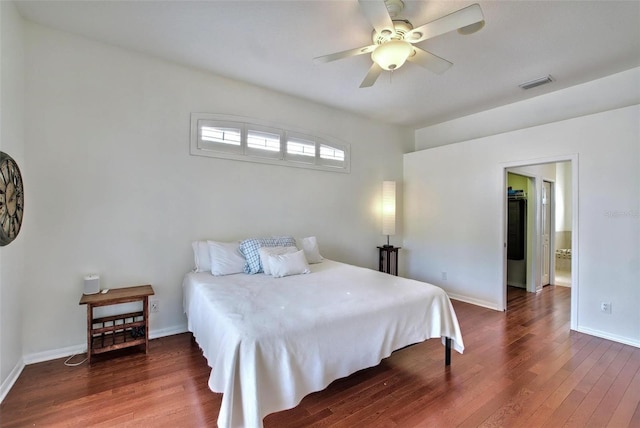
11	199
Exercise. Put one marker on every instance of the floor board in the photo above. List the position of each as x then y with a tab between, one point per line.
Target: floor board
522	367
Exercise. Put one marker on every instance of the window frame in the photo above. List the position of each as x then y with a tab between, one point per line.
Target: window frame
200	147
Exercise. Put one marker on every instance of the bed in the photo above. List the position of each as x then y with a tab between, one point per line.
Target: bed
271	341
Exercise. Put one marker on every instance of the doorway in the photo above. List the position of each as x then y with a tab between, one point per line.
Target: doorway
551	211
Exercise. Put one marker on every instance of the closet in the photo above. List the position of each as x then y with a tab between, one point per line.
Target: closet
517	231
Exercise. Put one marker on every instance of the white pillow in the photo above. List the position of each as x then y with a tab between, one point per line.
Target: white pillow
201	256
226	258
265	252
288	264
249	249
311	250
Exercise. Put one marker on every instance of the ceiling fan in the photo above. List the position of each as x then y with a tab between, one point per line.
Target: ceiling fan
394	39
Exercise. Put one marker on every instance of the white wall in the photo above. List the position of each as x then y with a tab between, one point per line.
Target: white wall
454	207
113	189
12	280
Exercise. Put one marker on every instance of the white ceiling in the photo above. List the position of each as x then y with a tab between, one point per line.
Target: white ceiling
272	44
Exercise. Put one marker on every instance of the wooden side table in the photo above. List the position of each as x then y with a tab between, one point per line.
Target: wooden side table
388	259
117	331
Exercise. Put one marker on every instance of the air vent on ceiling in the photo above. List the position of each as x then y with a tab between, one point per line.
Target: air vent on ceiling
537	82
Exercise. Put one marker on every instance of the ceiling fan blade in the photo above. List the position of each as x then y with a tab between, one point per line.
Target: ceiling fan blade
377	14
345	54
371	76
459	19
429	61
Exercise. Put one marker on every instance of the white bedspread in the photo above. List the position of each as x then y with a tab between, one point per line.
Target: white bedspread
271	341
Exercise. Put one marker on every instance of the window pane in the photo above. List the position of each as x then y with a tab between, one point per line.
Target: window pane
328	152
301	147
263	141
220	135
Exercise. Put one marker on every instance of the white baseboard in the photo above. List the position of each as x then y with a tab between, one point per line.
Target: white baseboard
477	302
52	354
609	336
11	380
39	357
170	331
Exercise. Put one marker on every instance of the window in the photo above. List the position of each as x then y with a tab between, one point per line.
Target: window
300	149
221	135
216	136
331	156
328	152
232	137
263	142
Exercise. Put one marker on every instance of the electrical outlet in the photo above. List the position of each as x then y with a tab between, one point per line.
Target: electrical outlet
154	305
605	307
444	276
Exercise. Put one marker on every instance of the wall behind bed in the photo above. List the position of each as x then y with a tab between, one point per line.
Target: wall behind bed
112	188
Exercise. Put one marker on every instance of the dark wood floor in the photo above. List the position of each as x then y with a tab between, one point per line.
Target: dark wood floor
520	368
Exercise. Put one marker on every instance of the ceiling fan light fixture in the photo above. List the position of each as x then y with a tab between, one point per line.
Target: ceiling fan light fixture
392	54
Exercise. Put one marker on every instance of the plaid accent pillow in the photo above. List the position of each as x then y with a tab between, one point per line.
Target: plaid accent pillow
250	250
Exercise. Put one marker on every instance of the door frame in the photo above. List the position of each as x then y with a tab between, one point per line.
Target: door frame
575	256
552	235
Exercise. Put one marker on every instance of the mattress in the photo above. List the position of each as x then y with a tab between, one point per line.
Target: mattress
271	341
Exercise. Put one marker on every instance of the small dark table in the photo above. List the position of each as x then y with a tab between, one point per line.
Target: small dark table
110	333
389	259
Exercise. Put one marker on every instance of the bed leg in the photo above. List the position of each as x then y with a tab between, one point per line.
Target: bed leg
447	351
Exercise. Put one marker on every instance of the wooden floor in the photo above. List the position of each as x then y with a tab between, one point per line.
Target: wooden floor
520	368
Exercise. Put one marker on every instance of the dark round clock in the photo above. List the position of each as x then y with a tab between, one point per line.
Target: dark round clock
11	199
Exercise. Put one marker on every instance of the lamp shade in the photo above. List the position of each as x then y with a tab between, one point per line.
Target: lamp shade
392	54
388	208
